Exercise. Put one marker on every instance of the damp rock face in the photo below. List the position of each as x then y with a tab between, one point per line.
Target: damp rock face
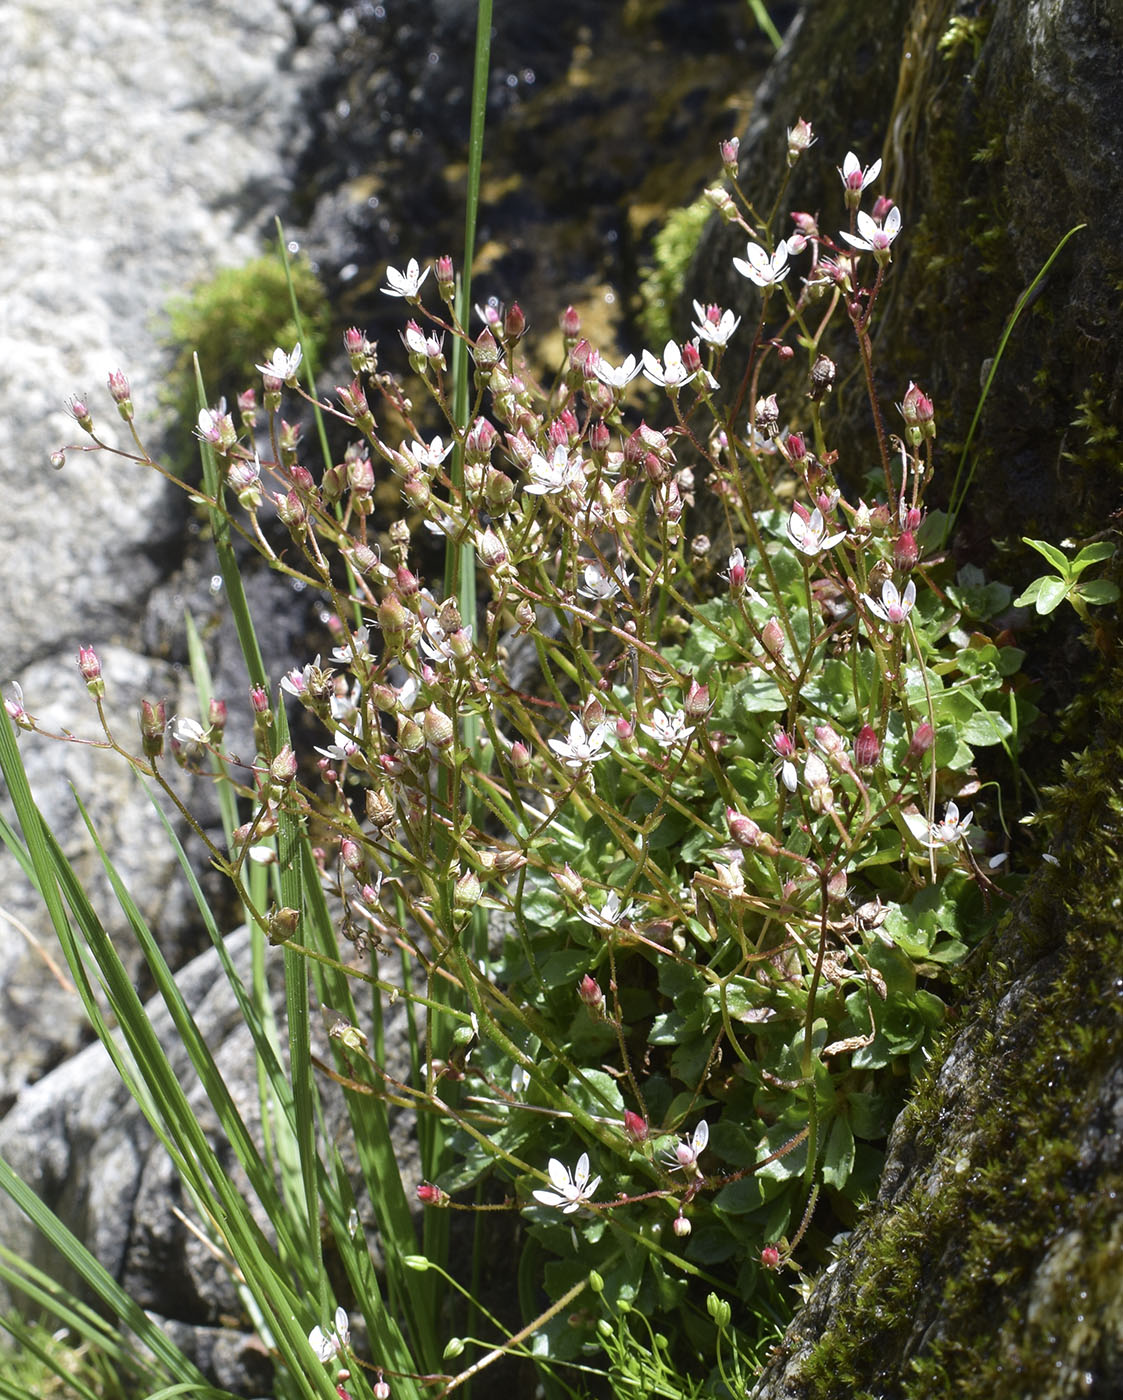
998	128
146	143
988	1265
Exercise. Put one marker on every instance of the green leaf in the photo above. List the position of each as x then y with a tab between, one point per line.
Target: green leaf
1093	554
838	1160
1023	600
1051	594
1098	591
1049	551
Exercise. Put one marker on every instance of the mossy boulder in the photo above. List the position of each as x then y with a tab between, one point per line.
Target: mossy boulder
989	1263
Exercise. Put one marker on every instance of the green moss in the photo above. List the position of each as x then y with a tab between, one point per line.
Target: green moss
662	286
1025	1229
232	322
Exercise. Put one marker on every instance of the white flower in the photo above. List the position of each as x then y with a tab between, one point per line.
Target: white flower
712	327
616	377
854	177
571	1190
188	738
761	268
581	748
601	586
299	683
670	371
667	730
549	476
429	455
684	1155
894	607
282	366
876	237
334	1341
810	536
612	915
951	830
405	284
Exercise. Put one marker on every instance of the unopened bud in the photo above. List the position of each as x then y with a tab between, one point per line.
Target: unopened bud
487	350
570	323
153	722
466	892
438	729
696	705
521	760
430	1195
514	323
906	551
119	392
571	883
730	150
635	1126
867	748
588	989
681	1226
772	635
836	887
446	277
770	1257
720	200
351	854
216	716
800	137
283	768
90	667
923	737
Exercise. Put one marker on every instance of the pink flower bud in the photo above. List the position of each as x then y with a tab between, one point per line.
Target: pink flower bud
906	551
681	1226
730	153
570	323
521	760
797	448
635	1126
696	705
923	738
805	223
351	854
772	635
216	716
430	1195
691	359
588	989
881	207
446	277
118	387
770	1257
89	665
867	748
259	700
514	323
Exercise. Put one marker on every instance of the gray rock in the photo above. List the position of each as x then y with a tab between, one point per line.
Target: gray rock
146	143
78	1139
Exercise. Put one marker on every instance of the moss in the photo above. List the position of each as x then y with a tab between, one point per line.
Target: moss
232	322
673	248
1024	1228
